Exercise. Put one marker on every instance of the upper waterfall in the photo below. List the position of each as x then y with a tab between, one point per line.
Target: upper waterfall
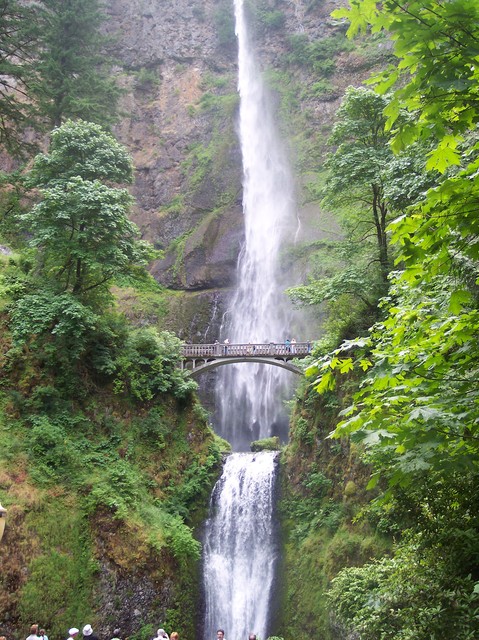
260	310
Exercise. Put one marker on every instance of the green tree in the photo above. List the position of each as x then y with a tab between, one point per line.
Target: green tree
359	169
17	45
419	399
73	69
366	185
81	227
416	410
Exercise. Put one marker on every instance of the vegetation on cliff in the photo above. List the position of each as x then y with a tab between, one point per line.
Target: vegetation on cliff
107	457
407	387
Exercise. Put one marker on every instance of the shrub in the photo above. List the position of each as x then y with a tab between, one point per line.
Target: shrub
225	26
50	448
406	596
266	444
119	487
148	366
317	54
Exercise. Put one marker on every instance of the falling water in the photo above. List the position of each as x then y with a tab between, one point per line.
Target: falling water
240	549
250	397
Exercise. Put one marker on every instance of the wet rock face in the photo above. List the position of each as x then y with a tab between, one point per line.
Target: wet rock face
154	31
184	149
177	65
208	257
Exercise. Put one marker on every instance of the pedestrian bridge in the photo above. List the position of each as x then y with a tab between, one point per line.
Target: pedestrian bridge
198	358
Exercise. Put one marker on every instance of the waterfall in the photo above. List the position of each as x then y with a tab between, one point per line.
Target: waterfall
240	549
240	546
250	397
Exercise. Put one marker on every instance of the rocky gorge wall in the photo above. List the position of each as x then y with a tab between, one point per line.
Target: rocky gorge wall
177	64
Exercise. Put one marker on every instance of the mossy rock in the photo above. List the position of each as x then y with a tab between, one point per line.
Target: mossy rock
266	444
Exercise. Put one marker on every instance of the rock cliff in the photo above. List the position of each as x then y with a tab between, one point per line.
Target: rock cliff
177	64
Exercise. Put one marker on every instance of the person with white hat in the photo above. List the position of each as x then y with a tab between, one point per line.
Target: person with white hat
88	632
72	633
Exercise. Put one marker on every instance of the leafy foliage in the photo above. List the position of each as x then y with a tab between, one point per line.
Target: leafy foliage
17	45
406	596
437	77
84	150
148	366
418	398
366	184
81	225
317	54
73	68
363	170
62	318
416	408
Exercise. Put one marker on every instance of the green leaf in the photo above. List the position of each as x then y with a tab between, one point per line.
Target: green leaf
459	299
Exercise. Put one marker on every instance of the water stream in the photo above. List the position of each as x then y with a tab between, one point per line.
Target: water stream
250	397
240	547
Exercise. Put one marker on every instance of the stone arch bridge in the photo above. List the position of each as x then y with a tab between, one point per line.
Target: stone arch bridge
198	358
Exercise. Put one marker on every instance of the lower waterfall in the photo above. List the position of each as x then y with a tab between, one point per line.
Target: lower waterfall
241	548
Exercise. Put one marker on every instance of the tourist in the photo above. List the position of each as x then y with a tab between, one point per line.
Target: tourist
161	633
252	636
293	345
220	634
33	632
42	635
287	344
226	343
174	635
72	633
88	632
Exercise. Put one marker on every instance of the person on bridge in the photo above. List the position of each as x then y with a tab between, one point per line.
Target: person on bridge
287	344
293	345
225	348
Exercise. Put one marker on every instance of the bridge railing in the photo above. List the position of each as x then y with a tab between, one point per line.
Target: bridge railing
220	349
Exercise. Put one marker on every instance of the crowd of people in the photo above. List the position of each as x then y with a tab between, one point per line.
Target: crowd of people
87	632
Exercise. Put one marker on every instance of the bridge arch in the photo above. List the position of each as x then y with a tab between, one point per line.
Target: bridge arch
218	362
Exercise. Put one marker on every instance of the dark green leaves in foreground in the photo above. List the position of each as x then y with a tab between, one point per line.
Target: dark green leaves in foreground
419	400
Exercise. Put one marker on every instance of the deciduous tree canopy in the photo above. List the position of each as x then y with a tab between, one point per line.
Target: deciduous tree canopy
81	226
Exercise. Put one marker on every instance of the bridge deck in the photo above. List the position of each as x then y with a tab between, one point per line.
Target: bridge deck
268	350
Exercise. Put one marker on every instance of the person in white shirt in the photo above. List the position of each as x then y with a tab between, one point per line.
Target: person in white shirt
33	632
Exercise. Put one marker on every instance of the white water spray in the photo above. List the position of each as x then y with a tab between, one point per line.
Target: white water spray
240	547
250	397
240	550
